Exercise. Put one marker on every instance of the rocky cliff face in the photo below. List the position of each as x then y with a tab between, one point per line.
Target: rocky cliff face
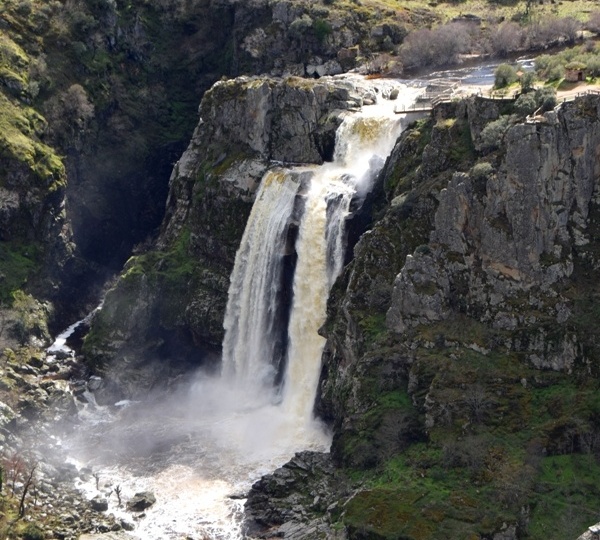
465	307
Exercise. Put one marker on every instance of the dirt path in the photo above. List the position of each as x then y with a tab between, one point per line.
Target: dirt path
561	95
578	88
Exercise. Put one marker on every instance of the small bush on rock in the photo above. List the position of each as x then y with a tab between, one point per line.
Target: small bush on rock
492	134
482	170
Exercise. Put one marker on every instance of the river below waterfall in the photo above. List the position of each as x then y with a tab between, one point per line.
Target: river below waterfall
195	450
200	448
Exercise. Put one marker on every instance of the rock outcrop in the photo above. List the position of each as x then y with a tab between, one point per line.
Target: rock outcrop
520	227
297	500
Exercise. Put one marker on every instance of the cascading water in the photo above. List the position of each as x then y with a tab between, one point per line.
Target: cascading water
229	431
251	331
362	143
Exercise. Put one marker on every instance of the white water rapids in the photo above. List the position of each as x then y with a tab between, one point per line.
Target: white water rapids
218	435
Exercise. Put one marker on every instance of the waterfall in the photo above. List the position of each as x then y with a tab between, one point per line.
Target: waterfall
251	339
252	342
320	249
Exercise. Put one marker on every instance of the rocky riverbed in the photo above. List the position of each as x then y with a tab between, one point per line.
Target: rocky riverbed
46	403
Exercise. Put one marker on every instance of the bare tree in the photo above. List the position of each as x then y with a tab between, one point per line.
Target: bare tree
478	402
118	494
69	114
593	23
552	30
97	479
507	38
438	47
27	484
13	465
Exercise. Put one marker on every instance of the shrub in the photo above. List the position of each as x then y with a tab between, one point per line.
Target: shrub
481	171
322	29
504	75
545	98
469	453
299	27
525	104
593	66
556	73
543	63
24	8
33	532
491	136
589	46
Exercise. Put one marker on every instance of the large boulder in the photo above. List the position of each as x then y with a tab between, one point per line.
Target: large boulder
140	501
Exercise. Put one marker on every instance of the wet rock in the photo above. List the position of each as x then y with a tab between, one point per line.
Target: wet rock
294	497
592	533
507	533
94	383
7	415
98	503
25	369
127	525
36	362
60	353
347	57
141	501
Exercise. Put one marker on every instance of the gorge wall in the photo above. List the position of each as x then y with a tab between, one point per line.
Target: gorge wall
460	368
459	374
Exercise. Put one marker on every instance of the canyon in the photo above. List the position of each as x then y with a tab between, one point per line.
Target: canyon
451	321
